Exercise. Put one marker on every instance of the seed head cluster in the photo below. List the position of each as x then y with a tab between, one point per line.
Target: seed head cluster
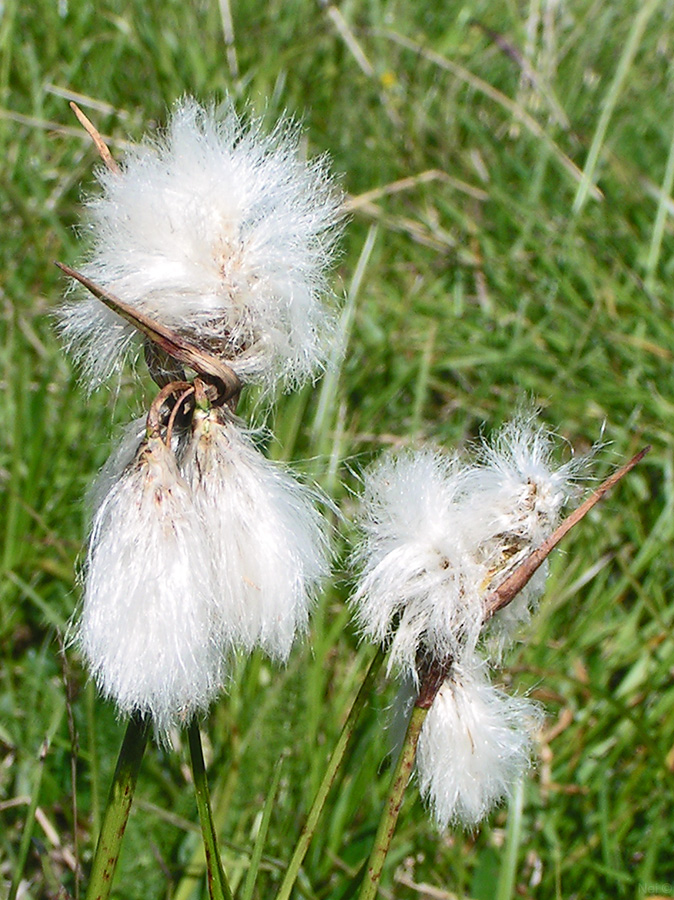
439	534
219	233
200	547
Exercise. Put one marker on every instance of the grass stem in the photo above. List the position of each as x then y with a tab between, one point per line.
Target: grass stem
387	824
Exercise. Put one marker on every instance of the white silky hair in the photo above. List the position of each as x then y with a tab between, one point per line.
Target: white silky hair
263	532
420	581
133	436
222	232
146	627
120	458
441	532
519	492
475	744
523	489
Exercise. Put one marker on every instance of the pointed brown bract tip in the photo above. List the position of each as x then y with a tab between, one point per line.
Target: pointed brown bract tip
95	135
510	588
171	342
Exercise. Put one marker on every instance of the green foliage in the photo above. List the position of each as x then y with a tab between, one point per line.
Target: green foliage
478	286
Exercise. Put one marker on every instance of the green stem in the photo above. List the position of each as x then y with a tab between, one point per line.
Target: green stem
218	888
117	810
387	824
328	779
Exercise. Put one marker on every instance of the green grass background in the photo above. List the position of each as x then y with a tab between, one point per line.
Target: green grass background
527	253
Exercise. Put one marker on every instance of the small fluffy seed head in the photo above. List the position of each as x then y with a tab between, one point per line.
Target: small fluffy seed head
146	624
441	533
523	489
222	232
262	531
519	491
474	746
420	583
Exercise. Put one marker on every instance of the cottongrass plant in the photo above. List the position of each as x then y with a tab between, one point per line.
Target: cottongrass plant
216	237
209	247
440	534
453	559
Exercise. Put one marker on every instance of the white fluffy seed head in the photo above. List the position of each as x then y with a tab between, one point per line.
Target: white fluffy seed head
420	582
519	491
146	624
523	488
441	533
222	232
474	746
263	532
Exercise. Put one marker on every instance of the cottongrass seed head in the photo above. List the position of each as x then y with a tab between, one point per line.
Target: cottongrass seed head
522	488
419	584
146	624
475	744
442	532
263	533
519	490
220	231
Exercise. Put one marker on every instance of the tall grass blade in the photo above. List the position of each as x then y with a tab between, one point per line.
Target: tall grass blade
505	889
218	887
609	104
328	779
256	856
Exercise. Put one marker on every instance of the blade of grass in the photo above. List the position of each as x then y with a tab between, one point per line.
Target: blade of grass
660	218
421	385
260	840
609	104
328	391
328	779
505	888
218	888
27	834
90	711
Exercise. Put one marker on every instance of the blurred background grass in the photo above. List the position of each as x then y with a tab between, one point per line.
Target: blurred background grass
509	168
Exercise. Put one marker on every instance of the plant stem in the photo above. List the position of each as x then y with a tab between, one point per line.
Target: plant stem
387	824
328	779
218	888
117	810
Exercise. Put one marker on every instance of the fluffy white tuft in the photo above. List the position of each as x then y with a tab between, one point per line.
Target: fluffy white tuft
146	625
525	488
420	581
474	746
221	232
440	533
120	458
263	533
518	492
